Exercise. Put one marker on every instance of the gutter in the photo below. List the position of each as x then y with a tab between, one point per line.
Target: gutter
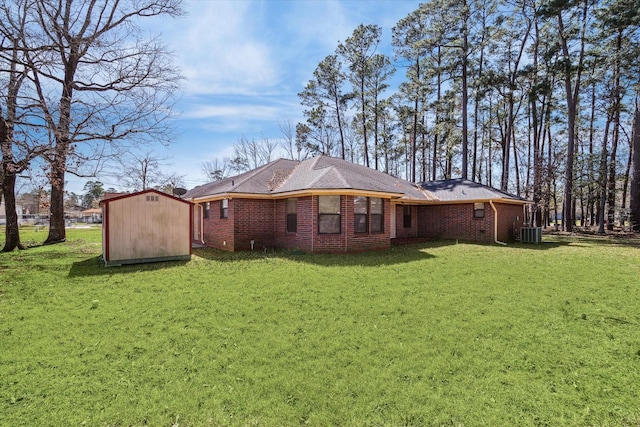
495	224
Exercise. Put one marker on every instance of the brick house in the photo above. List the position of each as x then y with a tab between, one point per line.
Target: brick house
325	204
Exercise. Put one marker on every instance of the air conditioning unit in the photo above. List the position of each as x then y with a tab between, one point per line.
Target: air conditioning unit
531	234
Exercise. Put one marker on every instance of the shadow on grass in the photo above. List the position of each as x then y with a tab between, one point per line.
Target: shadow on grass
400	254
554	241
395	255
94	266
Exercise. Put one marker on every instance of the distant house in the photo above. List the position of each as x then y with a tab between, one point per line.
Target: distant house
3	213
326	204
146	226
93	215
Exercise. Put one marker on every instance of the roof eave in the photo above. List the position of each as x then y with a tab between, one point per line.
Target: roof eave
298	193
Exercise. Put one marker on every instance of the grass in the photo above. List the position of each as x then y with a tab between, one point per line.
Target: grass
430	334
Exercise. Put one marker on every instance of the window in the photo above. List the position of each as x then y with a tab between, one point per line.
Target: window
207	210
406	212
329	214
224	207
365	207
292	215
478	210
377	210
360	214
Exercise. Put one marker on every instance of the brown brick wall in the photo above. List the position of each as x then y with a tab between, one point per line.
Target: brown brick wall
219	232
301	239
264	222
510	220
253	220
457	222
401	231
348	240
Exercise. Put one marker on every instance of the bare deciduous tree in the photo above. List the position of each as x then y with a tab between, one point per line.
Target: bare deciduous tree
142	171
250	154
216	169
17	145
113	84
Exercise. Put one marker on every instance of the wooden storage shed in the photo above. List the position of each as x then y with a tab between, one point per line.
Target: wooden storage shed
147	226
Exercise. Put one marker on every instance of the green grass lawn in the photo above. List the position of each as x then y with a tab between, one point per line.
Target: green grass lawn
430	334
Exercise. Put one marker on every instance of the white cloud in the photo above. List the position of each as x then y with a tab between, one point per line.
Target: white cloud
219	50
246	60
260	112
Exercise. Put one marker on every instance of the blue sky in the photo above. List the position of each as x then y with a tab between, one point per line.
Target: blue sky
245	62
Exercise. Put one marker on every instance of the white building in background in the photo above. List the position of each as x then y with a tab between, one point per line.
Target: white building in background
3	213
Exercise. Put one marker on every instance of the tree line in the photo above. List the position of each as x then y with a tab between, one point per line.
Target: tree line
535	97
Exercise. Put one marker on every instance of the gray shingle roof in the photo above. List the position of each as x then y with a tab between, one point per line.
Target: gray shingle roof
324	172
257	181
329	173
462	189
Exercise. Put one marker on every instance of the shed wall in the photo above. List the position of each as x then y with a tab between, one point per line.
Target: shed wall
147	226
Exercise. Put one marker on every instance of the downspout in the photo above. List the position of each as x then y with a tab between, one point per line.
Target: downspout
314	225
495	224
200	210
343	219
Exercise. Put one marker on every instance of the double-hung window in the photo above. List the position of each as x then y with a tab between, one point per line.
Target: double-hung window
224	208
377	212
478	210
329	214
360	214
292	215
368	214
207	209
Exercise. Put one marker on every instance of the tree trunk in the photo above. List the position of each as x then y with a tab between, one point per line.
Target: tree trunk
591	196
363	111
634	186
57	231
536	219
465	94
434	158
340	125
506	148
611	197
12	230
550	179
572	91
516	166
9	170
603	178
625	186
414	135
